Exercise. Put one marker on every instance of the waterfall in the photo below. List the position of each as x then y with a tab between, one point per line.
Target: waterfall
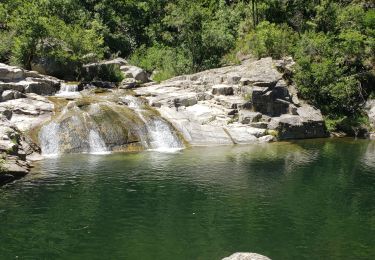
68	90
161	136
49	139
100	127
97	145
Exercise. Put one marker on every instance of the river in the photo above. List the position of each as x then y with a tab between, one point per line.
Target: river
311	199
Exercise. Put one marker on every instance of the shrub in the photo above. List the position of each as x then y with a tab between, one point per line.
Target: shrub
165	61
268	40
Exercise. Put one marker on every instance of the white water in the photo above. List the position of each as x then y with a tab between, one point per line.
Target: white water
160	134
97	145
49	139
68	90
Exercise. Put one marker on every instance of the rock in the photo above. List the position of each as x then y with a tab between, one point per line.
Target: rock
25	81
222	89
104	70
185	101
128	83
17	86
222	93
270	101
297	127
136	73
247	117
241	134
246	256
103	84
14	147
10	73
202	96
43	86
28	112
370	109
11	94
7	113
267	139
6	178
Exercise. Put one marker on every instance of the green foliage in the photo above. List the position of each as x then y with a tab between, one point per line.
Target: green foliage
333	42
164	61
268	40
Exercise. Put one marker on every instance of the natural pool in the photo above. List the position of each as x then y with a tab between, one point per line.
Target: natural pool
310	199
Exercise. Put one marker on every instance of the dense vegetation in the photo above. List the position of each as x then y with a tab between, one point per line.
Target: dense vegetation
332	41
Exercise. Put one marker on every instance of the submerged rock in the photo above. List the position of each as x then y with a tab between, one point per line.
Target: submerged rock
246	256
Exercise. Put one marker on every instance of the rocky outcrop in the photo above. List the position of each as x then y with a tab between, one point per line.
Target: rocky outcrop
21	81
16	151
370	109
235	105
27	112
246	256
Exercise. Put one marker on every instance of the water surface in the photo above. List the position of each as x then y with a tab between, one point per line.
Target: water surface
304	200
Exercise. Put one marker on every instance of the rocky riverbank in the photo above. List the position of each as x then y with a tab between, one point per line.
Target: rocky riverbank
249	103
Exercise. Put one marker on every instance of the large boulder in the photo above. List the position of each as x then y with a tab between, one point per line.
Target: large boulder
134	72
23	81
370	108
247	117
272	101
308	123
27	113
104	71
246	256
10	73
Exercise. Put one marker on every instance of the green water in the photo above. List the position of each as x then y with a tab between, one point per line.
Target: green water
304	200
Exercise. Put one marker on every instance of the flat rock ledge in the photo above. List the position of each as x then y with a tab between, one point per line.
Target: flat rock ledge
246	256
241	104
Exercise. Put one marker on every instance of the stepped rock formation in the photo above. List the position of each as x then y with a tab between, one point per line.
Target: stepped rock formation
248	103
235	105
370	109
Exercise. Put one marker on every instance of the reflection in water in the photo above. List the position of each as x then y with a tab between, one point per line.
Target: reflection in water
368	158
305	200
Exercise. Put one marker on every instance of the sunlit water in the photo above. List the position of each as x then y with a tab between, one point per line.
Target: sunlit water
305	200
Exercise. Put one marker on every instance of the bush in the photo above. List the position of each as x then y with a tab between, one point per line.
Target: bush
268	39
164	61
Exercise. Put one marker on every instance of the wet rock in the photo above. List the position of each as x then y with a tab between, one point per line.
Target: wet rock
267	139
246	256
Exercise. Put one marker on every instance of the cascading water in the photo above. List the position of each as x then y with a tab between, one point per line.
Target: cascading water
161	136
73	131
68	90
49	139
98	127
97	145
